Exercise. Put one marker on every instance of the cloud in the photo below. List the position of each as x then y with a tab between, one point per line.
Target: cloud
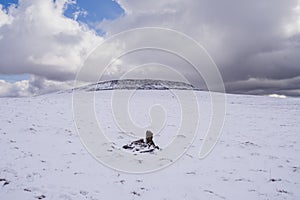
34	86
17	89
288	87
248	40
256	44
36	38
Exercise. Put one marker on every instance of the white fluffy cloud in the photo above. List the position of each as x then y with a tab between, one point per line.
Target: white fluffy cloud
17	89
36	38
34	86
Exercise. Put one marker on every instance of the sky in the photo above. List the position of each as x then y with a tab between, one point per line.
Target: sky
255	44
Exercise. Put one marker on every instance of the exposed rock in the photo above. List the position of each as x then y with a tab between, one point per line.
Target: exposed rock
142	145
138	84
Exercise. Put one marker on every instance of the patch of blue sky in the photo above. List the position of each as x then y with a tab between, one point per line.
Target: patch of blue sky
7	3
14	78
91	12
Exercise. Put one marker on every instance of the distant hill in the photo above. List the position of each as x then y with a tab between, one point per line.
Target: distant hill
138	84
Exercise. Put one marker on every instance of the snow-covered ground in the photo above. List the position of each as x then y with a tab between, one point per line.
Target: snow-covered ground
257	156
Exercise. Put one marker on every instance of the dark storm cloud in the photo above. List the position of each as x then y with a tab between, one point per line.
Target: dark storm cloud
289	87
256	44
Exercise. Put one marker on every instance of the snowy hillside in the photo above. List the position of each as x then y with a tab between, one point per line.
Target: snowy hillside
138	84
257	156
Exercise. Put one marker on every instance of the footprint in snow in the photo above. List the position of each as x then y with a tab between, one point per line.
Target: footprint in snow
5	182
40	197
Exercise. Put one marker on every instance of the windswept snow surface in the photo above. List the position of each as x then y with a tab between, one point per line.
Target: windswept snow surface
257	156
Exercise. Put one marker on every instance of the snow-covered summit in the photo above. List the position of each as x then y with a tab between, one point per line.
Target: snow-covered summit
257	156
138	84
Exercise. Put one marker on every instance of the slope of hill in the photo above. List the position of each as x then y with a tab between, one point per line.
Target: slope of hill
257	156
